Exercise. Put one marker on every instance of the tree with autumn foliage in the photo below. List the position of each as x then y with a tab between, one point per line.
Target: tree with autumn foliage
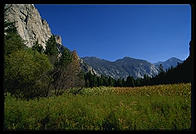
67	73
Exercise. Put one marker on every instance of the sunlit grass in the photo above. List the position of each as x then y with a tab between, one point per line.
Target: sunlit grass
162	107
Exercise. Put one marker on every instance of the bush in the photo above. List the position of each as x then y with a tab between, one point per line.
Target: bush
26	72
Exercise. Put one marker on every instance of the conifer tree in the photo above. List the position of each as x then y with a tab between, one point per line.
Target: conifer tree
51	49
12	40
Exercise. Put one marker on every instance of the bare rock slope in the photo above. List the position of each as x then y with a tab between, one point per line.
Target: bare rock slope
30	26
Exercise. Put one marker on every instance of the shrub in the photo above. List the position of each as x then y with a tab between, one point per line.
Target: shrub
26	72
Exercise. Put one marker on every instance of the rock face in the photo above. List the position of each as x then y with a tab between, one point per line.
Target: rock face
30	26
122	68
58	39
87	68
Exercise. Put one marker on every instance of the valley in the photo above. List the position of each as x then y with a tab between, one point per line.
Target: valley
48	86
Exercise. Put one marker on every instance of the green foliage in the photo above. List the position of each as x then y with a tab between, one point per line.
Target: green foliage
96	81
29	73
23	69
51	49
161	68
144	110
130	82
66	57
12	42
38	47
9	27
51	46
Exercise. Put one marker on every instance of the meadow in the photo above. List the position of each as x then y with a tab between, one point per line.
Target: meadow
160	107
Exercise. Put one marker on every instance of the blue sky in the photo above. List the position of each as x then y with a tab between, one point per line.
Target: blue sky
150	32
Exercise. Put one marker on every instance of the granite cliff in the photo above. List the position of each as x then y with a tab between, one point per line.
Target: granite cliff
30	26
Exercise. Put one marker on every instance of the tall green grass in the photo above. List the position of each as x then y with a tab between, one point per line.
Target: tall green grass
104	108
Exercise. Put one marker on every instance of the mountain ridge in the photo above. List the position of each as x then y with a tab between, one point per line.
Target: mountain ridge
123	67
173	61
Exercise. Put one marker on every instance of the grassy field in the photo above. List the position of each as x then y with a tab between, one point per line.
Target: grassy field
161	107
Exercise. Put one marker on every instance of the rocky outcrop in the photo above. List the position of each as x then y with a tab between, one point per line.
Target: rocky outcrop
86	68
30	26
58	39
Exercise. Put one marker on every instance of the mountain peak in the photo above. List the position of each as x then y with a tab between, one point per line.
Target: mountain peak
173	61
173	58
126	57
91	57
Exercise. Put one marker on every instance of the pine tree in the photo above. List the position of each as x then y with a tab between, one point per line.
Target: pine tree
161	70
119	82
110	81
65	58
146	80
12	40
130	81
51	49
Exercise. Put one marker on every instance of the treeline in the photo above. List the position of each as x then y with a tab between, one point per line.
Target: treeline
37	72
182	73
96	81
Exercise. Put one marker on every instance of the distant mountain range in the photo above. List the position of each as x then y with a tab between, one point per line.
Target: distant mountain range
122	68
168	63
